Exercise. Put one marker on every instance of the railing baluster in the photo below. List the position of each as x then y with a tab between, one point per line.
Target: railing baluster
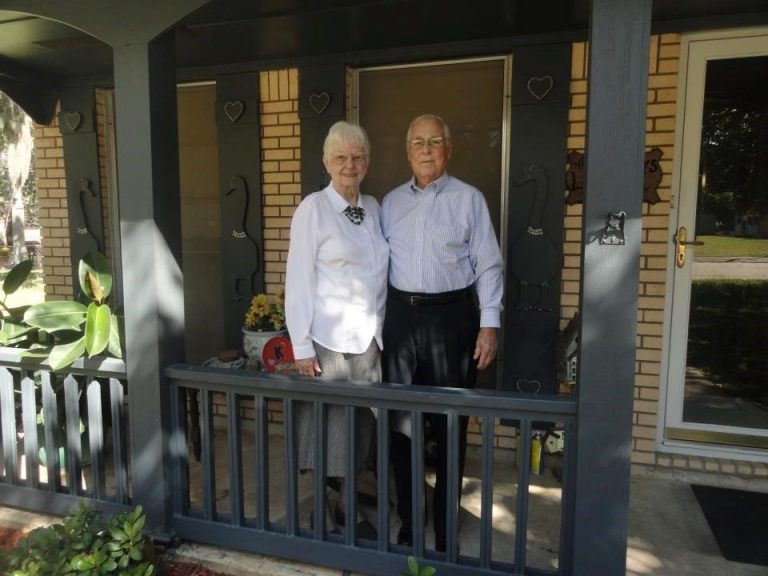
119	452
320	496
566	507
261	415
208	458
235	443
350	486
523	484
417	482
74	455
29	422
51	430
291	489
486	496
96	438
452	486
8	406
382	472
178	415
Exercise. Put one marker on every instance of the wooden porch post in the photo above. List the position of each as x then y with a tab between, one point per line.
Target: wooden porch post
150	226
616	112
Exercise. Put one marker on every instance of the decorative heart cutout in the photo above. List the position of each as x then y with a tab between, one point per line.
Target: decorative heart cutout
528	386
72	120
233	109
319	102
540	87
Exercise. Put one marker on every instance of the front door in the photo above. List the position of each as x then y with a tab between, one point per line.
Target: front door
716	363
470	96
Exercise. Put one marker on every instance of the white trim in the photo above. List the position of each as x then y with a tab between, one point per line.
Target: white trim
695	51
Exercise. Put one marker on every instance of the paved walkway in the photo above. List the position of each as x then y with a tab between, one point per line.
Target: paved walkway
668	535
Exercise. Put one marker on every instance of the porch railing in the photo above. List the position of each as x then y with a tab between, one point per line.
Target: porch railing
63	434
247	493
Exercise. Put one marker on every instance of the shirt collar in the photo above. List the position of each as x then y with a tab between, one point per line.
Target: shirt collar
436	185
337	200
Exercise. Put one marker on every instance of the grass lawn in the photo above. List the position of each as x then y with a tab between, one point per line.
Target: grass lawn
725	246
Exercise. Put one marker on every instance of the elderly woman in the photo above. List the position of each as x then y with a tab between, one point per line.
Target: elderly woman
335	292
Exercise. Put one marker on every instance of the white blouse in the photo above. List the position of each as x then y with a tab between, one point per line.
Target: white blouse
336	275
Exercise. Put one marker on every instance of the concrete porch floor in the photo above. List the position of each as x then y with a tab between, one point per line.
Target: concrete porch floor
668	534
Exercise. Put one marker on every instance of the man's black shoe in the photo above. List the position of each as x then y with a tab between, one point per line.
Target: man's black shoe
405	536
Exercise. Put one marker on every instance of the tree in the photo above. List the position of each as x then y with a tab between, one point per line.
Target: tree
17	144
734	143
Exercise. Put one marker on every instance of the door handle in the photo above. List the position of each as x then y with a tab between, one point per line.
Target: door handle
681	241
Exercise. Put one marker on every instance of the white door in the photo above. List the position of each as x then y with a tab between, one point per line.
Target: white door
716	323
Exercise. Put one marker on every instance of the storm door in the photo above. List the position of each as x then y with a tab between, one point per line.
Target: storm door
470	96
716	341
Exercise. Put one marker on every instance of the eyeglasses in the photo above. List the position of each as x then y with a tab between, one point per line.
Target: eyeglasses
342	159
434	142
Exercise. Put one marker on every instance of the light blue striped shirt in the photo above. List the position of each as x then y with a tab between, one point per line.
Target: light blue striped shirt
442	239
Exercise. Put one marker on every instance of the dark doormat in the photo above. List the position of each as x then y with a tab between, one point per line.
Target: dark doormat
739	521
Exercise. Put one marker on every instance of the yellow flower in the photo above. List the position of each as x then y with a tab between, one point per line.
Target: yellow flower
266	312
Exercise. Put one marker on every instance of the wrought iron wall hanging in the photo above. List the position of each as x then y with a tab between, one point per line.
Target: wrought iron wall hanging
534	258
245	277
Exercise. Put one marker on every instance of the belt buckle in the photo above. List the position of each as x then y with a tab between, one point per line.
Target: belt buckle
412	300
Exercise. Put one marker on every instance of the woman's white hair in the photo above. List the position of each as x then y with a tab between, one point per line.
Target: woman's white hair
346	133
430	118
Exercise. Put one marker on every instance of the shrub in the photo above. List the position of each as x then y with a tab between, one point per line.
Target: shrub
84	545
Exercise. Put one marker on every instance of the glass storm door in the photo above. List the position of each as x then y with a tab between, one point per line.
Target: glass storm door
717	337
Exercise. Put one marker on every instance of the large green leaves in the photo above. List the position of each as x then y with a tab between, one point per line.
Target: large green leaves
64	354
56	315
95	275
17	276
98	326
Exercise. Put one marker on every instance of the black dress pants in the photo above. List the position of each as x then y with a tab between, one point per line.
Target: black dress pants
428	345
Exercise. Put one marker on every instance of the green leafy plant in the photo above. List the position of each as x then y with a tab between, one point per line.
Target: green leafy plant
13	281
83	545
63	331
415	570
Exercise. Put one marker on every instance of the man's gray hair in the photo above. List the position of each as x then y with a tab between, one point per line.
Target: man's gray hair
428	117
346	133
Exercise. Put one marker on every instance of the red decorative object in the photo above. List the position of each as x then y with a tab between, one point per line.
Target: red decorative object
277	352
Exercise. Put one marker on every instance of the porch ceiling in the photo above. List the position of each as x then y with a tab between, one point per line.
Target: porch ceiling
35	52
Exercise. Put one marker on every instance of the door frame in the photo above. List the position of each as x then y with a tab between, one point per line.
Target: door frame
506	114
673	434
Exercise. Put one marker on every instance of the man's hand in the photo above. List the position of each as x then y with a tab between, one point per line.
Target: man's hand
485	349
307	366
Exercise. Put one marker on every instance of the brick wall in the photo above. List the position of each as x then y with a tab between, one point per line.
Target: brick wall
54	221
280	167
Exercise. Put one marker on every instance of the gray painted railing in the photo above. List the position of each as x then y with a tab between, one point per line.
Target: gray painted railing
242	515
78	416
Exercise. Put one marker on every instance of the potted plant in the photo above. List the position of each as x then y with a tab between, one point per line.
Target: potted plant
264	321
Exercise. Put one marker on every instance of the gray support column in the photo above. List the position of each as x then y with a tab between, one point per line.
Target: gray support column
147	152
618	76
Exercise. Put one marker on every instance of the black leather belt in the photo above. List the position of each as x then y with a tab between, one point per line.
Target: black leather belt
421	299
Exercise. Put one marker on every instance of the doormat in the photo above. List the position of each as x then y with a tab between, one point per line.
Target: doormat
739	522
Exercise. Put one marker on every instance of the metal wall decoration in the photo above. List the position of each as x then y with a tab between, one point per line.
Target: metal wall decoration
534	259
319	101
539	87
233	109
85	195
652	175
613	232
244	280
574	176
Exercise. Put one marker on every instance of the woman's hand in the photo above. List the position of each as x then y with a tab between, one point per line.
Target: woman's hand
308	366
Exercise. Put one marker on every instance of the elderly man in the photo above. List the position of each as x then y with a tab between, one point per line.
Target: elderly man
444	299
